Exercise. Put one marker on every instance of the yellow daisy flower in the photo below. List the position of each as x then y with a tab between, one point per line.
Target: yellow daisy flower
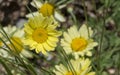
16	36
41	33
77	41
46	9
81	67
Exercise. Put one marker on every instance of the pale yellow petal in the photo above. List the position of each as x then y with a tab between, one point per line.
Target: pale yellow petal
88	53
53	26
84	31
19	33
59	17
28	29
36	21
53	39
51	43
73	32
86	64
62	69
77	64
50	20
91	45
81	53
57	73
47	21
26	54
68	50
40	48
67	37
63	43
10	29
47	47
31	15
76	55
27	41
54	33
90	31
36	3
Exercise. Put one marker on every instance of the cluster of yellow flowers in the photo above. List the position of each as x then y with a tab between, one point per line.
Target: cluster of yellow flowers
41	34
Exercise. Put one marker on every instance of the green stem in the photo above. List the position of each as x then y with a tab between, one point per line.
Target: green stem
50	73
68	61
74	17
6	67
86	18
101	42
63	60
4	44
102	35
118	66
94	4
29	10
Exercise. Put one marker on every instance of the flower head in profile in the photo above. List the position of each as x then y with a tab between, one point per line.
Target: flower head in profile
46	9
41	33
16	38
15	41
81	67
77	41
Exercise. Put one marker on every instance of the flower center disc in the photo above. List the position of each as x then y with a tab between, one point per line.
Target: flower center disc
47	9
1	43
16	41
40	35
78	44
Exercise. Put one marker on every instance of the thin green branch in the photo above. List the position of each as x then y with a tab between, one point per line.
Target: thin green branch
68	61
6	67
86	17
